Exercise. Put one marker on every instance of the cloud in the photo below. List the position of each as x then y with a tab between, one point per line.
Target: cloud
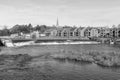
69	12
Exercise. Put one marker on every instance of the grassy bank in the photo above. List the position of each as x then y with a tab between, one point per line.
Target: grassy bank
22	61
17	67
110	59
11	62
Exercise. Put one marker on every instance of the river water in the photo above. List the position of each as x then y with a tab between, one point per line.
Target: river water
60	70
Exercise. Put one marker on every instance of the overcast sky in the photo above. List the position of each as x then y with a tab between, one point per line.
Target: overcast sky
69	12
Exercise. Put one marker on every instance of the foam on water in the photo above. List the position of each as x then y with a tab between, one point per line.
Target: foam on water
19	44
65	43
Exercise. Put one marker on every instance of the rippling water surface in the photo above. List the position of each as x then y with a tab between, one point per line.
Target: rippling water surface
60	70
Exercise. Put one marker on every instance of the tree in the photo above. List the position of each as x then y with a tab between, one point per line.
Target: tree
30	27
15	29
113	26
5	31
41	28
118	26
21	28
37	28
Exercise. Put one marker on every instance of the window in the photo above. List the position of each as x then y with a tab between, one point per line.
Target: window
89	33
118	33
77	34
65	34
113	33
59	34
71	33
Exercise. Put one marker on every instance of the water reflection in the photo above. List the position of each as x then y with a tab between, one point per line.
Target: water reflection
71	71
111	69
82	63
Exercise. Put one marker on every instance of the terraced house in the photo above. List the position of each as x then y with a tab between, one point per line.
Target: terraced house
104	32
91	32
81	32
67	32
70	32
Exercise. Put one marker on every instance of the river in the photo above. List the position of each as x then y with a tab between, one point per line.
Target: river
60	70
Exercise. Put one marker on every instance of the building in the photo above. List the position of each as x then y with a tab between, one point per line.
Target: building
59	32
115	32
57	23
82	31
94	32
51	32
77	32
14	35
104	32
70	32
65	32
35	34
87	32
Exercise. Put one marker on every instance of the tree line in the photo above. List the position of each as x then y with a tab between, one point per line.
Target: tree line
22	28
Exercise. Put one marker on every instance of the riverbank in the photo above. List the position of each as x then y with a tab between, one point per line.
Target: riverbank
22	61
44	66
25	63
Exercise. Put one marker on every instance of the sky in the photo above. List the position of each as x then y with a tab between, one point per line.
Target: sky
68	12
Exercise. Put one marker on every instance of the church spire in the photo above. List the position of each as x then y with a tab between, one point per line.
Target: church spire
57	23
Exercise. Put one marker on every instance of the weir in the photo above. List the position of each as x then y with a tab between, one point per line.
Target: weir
1	43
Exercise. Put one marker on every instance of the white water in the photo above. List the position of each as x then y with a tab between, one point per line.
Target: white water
66	43
23	43
10	44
